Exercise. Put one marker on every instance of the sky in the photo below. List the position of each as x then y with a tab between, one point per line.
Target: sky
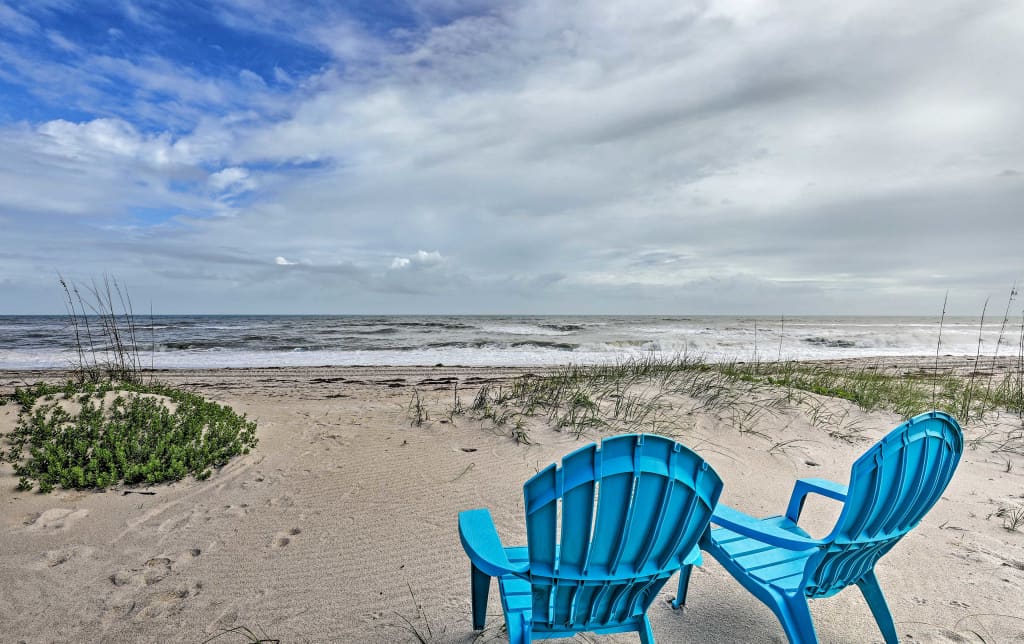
593	157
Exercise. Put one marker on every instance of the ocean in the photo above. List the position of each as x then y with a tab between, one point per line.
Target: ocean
202	341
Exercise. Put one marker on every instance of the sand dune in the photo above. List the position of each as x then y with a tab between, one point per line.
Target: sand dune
341	526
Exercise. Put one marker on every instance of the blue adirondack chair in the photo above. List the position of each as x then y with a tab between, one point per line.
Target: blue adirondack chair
604	532
891	488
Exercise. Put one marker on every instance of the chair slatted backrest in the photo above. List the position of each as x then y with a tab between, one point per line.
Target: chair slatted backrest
892	486
611	525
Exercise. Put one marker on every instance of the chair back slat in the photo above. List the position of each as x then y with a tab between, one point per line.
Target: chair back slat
892	486
625	513
690	513
541	502
579	476
614	501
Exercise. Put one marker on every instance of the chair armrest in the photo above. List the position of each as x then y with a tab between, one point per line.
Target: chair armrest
748	526
803	487
483	546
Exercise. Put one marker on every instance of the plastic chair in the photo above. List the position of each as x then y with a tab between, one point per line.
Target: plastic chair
891	488
605	532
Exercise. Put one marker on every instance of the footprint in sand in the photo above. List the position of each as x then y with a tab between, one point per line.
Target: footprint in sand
59	557
283	539
155	570
280	502
236	510
168	602
227	619
55	519
175	523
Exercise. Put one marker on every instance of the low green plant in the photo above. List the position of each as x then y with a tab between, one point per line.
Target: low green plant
136	439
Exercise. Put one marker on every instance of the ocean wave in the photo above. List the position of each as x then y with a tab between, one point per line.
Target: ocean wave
436	325
625	344
833	343
388	330
562	327
561	346
523	329
237	346
492	344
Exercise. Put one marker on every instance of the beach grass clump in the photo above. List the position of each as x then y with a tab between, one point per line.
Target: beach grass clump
868	388
244	632
631	395
418	410
95	435
106	332
658	394
1012	516
907	393
638	394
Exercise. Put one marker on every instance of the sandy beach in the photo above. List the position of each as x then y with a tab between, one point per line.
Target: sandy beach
341	524
772	231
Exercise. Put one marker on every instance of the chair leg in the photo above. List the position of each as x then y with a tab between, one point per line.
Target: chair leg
520	630
795	615
480	585
684	583
879	607
646	634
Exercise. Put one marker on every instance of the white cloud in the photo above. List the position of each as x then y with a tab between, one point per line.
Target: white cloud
431	258
281	76
15	21
250	77
420	258
281	261
60	42
233	180
104	169
112	138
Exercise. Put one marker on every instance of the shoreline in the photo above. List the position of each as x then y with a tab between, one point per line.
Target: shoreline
387	374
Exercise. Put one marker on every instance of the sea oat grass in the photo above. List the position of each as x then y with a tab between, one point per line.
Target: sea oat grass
105	331
654	393
1012	516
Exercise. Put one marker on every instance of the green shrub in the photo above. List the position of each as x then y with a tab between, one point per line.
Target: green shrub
137	439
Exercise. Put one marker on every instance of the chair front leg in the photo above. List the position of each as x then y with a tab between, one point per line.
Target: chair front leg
795	615
480	586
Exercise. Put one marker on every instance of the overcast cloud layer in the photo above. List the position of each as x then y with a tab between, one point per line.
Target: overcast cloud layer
532	157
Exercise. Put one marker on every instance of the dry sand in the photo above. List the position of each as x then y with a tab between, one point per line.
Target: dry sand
341	526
